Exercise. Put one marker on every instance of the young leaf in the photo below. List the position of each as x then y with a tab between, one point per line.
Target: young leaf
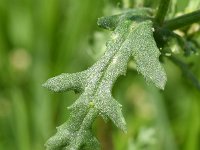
95	83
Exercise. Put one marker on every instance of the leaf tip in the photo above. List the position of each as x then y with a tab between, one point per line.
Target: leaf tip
162	81
45	85
51	85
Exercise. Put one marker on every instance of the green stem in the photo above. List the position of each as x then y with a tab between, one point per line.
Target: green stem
182	21
186	71
162	11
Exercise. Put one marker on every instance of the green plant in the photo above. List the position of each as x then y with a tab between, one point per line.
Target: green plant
133	34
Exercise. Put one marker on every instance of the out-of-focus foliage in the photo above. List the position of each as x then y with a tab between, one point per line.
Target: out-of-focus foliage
42	38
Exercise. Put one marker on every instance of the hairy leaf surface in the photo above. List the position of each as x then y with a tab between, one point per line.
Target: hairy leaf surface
131	37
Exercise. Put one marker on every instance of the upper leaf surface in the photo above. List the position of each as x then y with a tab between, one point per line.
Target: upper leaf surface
132	36
146	54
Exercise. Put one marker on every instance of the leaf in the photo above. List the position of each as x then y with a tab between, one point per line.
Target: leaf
111	22
95	84
66	82
146	54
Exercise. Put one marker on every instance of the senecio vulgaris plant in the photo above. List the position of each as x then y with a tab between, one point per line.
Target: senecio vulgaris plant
136	33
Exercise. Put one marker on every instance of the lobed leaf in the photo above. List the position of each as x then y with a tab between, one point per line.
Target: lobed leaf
129	38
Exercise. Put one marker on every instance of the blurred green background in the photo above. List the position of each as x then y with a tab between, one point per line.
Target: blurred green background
43	38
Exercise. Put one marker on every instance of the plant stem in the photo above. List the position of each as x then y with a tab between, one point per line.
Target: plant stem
186	71
183	20
162	11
